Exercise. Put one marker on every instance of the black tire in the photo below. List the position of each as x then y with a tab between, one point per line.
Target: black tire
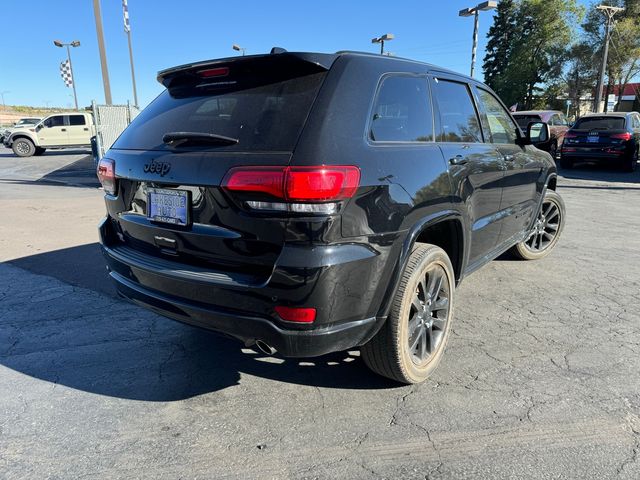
631	164
566	163
39	151
547	229
425	323
23	147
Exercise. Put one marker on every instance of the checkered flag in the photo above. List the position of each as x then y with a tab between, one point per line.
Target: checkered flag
65	73
125	16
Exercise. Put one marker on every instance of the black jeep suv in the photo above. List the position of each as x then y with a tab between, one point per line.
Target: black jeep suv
309	203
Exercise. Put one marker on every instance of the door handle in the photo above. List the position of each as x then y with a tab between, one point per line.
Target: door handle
86	129
458	160
63	129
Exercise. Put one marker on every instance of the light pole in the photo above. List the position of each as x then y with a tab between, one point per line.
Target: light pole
74	44
97	12
127	30
238	48
384	38
2	95
609	13
467	12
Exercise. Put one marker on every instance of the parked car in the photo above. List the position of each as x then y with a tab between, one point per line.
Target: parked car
309	203
68	130
611	138
558	126
20	124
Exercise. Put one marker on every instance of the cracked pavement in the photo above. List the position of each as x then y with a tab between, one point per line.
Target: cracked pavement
541	378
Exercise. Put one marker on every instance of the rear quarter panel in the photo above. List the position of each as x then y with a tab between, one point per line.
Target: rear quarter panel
401	184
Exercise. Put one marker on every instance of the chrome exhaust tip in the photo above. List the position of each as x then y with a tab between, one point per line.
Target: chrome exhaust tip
265	347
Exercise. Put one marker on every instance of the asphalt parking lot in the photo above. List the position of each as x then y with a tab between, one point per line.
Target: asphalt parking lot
541	378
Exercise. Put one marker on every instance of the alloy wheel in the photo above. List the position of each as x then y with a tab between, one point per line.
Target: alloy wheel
546	227
23	147
428	314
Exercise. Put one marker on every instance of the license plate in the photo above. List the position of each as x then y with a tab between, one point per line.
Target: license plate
168	206
593	139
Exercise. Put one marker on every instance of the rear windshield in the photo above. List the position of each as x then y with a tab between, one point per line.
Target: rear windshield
524	120
599	123
264	110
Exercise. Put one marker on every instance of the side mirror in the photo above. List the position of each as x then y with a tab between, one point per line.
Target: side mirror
538	132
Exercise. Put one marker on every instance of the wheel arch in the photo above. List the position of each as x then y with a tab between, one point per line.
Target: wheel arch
20	135
445	230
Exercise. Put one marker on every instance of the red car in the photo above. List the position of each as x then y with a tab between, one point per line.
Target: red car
558	125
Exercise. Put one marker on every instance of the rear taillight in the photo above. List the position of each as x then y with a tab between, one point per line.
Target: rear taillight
621	136
297	188
298	315
107	175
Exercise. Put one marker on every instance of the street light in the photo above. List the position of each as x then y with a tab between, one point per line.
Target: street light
2	95
467	12
97	13
74	44
238	48
609	13
384	38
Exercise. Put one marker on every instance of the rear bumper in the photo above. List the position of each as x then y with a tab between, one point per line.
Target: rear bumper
595	155
340	282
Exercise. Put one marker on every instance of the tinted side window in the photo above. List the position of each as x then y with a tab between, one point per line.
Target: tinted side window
57	121
77	120
402	112
458	115
501	127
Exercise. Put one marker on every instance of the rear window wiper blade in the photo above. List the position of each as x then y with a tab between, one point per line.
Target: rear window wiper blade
177	139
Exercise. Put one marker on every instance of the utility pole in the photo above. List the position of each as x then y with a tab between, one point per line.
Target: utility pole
103	56
609	13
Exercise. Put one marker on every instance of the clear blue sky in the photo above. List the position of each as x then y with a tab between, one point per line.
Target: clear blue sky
172	32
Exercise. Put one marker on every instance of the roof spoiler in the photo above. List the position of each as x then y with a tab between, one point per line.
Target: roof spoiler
322	60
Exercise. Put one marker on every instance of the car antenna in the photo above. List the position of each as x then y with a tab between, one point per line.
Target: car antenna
276	50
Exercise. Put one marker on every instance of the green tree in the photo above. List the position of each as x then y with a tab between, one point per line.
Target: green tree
534	52
579	75
623	63
501	36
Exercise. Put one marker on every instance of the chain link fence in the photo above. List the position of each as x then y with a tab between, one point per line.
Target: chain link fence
111	120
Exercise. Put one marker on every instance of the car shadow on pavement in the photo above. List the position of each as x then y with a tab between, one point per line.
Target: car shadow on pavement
88	339
81	173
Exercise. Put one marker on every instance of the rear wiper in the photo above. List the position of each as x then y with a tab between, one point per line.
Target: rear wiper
177	139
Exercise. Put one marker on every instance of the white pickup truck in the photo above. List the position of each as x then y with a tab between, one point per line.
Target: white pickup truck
62	130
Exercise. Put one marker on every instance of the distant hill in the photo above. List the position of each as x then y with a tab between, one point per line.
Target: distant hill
12	113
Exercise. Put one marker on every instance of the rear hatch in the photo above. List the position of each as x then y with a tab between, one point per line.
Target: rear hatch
171	161
597	134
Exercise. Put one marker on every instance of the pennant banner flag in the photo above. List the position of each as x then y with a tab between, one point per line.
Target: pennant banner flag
65	73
